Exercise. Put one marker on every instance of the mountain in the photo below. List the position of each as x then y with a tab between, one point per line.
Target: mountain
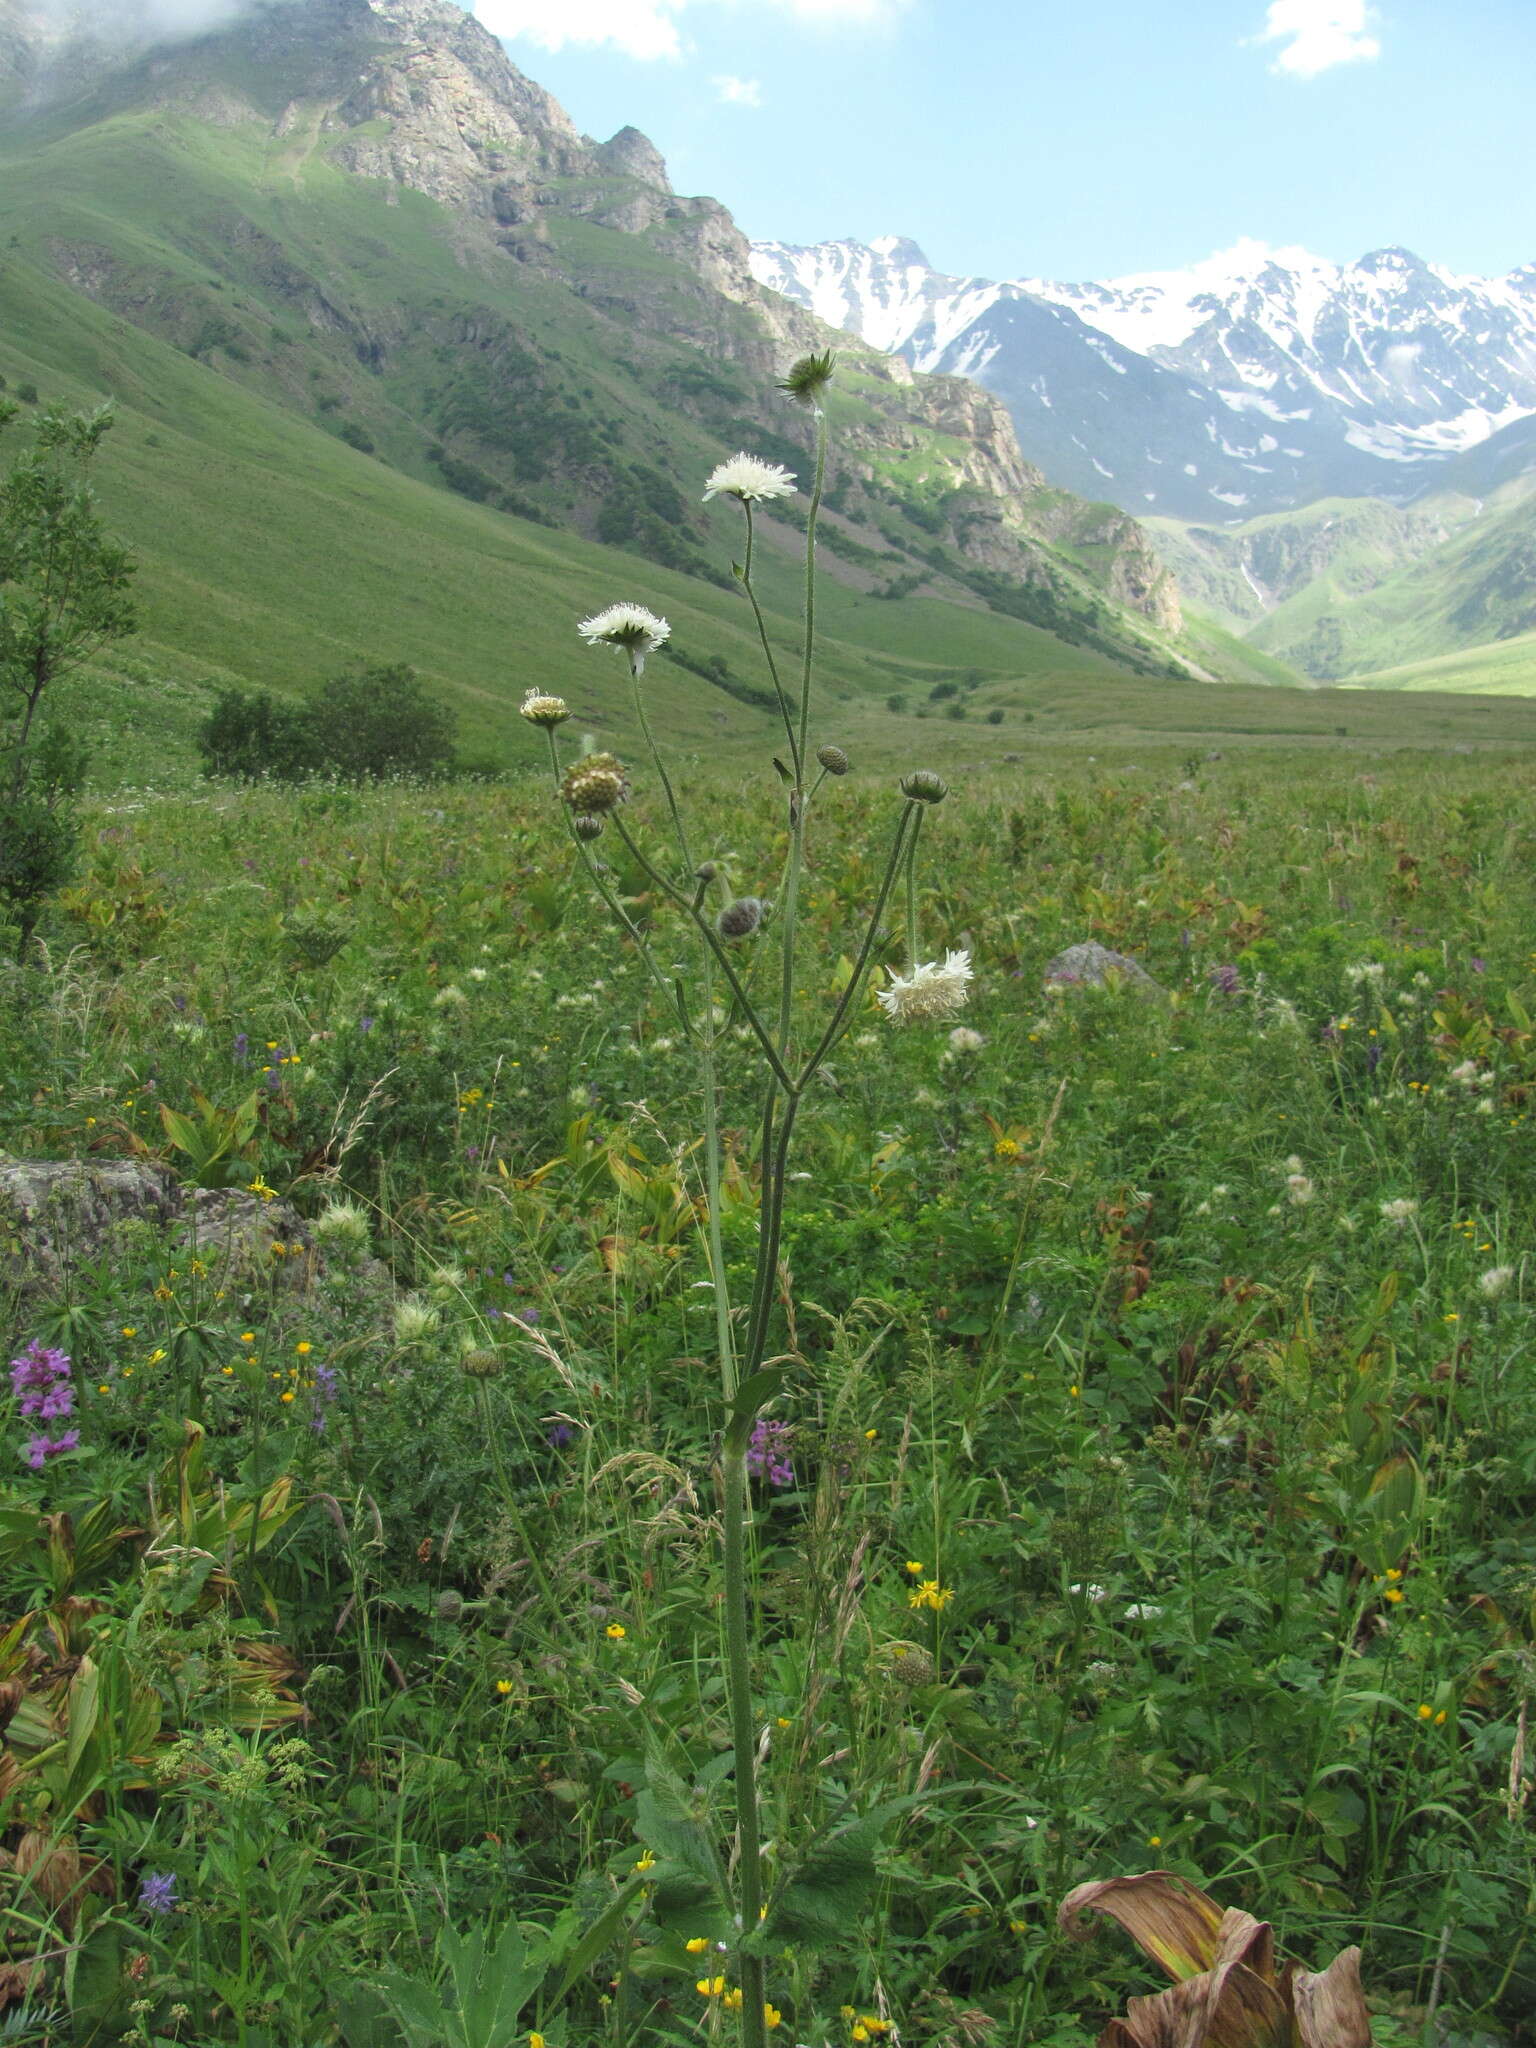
1350	588
1257	381
359	217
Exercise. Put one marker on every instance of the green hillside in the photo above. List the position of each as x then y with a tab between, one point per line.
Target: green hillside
1345	589
279	323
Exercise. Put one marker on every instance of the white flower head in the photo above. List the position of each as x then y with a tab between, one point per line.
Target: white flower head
930	991
541	709
1299	1190
1495	1282
1402	1211
964	1039
629	626
750	479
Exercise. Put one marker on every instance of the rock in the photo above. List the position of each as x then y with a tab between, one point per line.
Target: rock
1091	965
59	1215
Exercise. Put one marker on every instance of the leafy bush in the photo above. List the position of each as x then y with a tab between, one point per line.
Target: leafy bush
249	736
367	724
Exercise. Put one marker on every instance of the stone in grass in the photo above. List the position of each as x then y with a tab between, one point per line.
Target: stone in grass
1091	965
59	1215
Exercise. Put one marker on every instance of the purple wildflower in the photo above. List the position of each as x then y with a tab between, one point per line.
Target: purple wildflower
768	1452
39	1449
242	1048
157	1892
1226	978
558	1437
530	1316
365	1025
41	1383
325	1389
1478	966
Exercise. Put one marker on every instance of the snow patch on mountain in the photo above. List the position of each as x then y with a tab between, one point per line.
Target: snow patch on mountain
1381	369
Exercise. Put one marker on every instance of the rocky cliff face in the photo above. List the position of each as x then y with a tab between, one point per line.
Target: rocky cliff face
418	96
464	126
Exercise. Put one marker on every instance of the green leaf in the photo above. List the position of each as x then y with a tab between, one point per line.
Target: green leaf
755	1390
828	1890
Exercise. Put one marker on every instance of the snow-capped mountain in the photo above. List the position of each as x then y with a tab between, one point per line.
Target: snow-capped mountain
1257	380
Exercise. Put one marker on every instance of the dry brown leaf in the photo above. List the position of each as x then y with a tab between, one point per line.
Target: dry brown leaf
1171	1919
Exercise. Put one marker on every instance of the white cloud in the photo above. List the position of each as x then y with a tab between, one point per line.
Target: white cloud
738	92
648	29
640	28
1319	34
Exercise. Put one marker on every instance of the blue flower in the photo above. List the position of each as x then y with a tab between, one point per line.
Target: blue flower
157	1892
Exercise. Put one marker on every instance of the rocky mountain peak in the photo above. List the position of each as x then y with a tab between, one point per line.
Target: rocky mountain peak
634	155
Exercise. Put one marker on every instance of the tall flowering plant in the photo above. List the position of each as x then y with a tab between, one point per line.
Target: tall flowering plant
594	789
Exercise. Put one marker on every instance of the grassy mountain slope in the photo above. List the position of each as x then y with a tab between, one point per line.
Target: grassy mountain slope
1348	587
547	332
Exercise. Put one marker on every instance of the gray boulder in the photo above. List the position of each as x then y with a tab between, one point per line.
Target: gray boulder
1090	965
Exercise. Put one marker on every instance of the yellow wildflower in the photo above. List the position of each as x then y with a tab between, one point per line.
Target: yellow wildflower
697	1944
645	1862
616	1631
932	1595
503	1686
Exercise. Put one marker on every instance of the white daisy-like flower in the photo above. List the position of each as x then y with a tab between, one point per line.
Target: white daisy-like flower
629	626
750	479
929	991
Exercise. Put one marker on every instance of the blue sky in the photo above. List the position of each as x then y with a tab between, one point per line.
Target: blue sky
1019	137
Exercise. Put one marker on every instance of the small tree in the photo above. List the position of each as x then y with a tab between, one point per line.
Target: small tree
63	595
249	736
376	722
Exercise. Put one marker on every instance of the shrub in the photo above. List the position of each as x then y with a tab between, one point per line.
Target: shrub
249	736
378	721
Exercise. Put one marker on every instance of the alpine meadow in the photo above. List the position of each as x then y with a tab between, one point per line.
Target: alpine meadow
766	1194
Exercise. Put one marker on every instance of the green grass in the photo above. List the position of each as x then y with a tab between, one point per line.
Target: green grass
1117	1300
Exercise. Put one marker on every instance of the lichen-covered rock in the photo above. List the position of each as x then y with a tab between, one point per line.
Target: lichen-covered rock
59	1215
1091	965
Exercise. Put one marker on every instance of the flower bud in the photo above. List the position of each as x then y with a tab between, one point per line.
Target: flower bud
705	872
739	920
924	787
546	711
595	784
483	1365
450	1604
833	759
809	378
586	827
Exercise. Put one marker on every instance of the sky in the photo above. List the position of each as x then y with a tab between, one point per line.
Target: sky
1081	140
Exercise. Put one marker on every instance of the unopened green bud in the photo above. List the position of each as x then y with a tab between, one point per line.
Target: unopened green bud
450	1604
833	759
586	827
809	378
924	787
483	1365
